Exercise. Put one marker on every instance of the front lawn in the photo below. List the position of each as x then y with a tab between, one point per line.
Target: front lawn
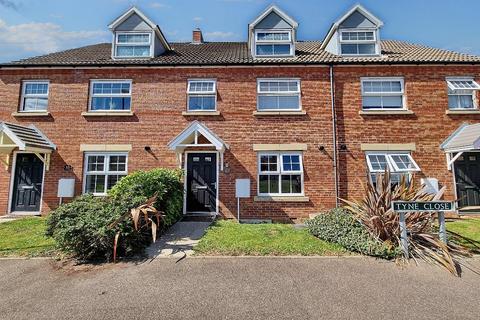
468	228
25	237
233	239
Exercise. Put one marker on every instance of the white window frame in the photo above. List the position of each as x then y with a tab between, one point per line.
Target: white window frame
384	94
270	42
136	44
374	41
451	91
24	95
279	93
107	95
392	166
105	172
213	92
279	172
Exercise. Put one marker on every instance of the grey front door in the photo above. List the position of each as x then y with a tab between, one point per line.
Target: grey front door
467	176
27	184
201	182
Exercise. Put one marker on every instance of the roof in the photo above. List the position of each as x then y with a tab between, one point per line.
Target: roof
237	53
466	137
277	10
191	132
26	138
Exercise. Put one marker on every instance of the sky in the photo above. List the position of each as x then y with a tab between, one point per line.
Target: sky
35	27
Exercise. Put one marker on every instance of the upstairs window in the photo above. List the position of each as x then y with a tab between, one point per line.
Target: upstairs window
461	93
382	93
111	95
398	164
280	173
358	43
133	45
273	43
103	171
278	95
202	95
34	96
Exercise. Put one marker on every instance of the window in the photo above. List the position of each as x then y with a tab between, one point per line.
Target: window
461	93
398	164
133	45
110	95
273	43
103	171
382	93
202	95
280	174
358	43
34	96
275	95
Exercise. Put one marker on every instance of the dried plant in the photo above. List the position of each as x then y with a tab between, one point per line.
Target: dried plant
375	212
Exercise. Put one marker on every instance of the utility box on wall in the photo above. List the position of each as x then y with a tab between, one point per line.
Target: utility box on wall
242	188
66	188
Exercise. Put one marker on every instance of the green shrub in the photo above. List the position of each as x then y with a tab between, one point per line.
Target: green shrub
341	227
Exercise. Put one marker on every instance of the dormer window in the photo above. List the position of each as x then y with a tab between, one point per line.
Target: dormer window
273	43
358	42
133	45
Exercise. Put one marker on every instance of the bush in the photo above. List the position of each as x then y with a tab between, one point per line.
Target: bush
83	227
341	227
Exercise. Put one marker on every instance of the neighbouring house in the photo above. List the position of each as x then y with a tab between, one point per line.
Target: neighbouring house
306	121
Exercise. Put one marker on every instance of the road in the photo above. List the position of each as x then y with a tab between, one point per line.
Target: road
237	288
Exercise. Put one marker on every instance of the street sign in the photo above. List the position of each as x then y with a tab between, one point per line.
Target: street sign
422	206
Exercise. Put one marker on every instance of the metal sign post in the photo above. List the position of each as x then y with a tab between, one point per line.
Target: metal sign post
403	207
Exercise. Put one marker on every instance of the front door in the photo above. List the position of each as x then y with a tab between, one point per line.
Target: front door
467	176
201	182
27	184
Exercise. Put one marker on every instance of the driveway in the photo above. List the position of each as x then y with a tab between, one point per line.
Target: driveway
237	288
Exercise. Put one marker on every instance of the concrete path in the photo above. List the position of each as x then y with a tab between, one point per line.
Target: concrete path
237	288
178	241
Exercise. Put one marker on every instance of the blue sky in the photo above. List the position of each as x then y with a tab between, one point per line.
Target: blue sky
35	27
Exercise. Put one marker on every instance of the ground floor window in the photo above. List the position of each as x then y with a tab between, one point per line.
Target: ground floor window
103	171
398	164
280	173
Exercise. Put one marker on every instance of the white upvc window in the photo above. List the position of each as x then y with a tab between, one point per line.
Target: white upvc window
280	173
133	45
398	164
103	170
34	96
110	95
271	43
383	93
278	95
358	42
202	95
462	93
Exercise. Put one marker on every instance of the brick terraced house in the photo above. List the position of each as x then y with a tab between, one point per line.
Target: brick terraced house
305	121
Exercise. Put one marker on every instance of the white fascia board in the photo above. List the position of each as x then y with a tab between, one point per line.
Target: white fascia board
203	130
12	136
273	8
127	14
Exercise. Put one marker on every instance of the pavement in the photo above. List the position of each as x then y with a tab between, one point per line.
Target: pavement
178	241
237	288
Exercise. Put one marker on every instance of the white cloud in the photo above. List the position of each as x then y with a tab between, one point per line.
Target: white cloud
219	35
45	37
158	5
197	19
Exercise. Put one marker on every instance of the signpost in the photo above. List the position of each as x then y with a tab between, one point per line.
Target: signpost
403	207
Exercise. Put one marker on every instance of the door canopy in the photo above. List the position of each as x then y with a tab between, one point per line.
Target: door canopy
465	138
189	137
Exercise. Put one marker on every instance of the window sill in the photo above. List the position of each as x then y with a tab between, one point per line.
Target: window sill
281	199
472	111
386	112
280	113
108	114
31	114
200	113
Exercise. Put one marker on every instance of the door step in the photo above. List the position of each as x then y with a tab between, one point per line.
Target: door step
199	217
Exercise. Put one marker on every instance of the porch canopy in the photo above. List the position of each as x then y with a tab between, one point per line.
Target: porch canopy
191	137
30	139
465	138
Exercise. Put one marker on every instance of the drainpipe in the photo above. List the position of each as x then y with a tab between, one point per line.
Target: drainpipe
334	133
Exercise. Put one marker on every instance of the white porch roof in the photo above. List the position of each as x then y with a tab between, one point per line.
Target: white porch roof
465	138
189	138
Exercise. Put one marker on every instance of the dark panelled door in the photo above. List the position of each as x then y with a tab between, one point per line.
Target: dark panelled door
27	185
467	176
201	182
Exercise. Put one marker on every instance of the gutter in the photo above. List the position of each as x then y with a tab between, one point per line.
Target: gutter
334	132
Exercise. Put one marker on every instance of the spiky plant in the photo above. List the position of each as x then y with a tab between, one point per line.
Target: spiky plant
375	212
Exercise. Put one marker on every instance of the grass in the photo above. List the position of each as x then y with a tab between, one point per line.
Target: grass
468	228
25	238
234	239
